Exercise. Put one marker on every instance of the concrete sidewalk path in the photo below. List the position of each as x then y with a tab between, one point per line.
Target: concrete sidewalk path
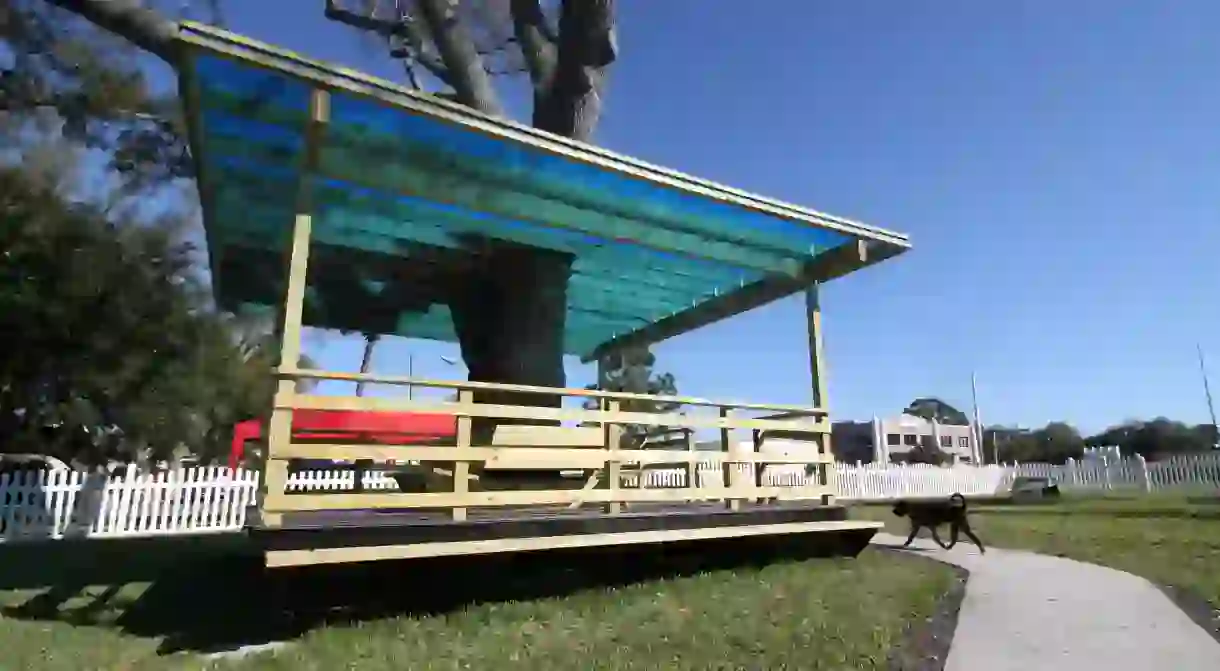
1031	612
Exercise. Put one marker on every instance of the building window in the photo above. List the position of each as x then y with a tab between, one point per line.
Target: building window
910	439
963	441
891	439
946	441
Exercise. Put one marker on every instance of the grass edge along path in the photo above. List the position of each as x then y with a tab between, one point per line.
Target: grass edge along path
837	613
1171	540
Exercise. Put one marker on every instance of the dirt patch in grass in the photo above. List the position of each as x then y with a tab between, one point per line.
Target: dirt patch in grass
729	606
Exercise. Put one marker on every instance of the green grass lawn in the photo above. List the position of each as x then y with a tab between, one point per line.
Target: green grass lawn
793	614
1170	540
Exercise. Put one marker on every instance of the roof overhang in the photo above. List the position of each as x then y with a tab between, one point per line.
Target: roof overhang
401	174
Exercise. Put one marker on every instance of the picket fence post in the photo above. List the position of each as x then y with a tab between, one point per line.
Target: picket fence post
1143	478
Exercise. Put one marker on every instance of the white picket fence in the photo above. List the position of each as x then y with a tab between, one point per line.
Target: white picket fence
67	504
1187	471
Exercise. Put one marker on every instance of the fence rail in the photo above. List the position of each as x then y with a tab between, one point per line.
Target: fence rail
210	499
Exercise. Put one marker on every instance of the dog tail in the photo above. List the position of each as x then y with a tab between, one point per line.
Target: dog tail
957	499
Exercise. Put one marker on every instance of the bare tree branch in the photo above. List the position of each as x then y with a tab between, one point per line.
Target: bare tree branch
409	71
218	15
366	19
403	33
463	63
536	39
416	40
130	19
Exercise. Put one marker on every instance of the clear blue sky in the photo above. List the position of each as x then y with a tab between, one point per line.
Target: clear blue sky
1057	165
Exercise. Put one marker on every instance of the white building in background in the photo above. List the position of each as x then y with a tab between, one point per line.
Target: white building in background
878	440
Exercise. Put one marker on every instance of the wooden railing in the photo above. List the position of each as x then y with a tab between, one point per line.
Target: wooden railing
547	448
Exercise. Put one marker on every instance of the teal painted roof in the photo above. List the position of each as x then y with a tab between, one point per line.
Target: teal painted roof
406	183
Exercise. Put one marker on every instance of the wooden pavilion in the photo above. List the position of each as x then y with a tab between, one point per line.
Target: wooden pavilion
336	170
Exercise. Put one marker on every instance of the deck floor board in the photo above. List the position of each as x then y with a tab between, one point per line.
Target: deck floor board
354	528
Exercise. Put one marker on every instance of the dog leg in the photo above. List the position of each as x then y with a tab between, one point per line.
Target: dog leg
975	539
936	537
914	530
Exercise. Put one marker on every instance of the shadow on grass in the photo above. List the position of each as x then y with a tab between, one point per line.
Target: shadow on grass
207	599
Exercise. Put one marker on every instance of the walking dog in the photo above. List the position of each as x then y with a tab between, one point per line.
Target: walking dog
932	514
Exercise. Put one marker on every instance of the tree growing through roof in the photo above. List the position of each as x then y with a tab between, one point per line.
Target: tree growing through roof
509	310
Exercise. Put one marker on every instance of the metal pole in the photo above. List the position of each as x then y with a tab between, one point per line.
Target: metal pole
366	362
978	425
1207	393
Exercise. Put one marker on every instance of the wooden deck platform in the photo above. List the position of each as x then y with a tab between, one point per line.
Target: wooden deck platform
364	535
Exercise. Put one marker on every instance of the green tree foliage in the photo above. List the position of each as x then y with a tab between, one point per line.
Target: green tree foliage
92	82
1054	443
934	409
633	372
109	347
1058	441
1159	437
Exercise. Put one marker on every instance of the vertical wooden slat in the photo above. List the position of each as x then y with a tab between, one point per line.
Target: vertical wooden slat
461	469
275	480
614	467
692	461
732	471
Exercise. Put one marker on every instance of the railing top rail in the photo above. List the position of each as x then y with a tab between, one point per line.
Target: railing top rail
370	378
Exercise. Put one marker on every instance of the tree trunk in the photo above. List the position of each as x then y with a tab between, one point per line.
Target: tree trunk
568	102
509	315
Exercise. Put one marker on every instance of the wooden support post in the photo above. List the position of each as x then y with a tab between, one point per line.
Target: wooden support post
461	469
760	469
603	380
275	480
614	443
279	427
692	463
817	371
732	472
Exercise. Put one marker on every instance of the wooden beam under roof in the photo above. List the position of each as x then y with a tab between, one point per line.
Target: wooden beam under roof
837	262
